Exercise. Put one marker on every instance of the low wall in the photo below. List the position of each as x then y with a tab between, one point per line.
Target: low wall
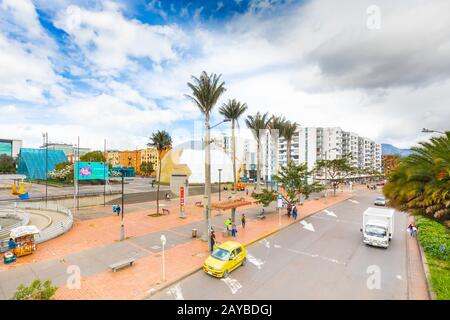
85	200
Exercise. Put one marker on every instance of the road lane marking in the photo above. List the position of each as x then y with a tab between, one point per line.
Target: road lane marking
176	292
330	213
399	277
311	255
307	226
256	261
156	247
353	201
277	246
265	243
337	220
233	284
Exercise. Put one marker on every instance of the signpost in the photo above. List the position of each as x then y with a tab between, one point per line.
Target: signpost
182	198
279	206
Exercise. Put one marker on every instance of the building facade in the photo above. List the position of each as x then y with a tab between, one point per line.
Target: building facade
70	151
10	147
390	163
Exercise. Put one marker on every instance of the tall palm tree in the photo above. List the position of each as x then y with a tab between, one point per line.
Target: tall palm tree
257	124
233	110
288	132
206	91
276	125
162	141
421	182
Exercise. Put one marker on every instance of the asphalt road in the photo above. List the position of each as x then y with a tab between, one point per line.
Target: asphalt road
330	262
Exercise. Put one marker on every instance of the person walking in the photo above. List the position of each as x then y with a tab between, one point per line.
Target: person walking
414	231
243	221
295	212
409	229
114	208
289	210
233	230
228	225
213	240
118	210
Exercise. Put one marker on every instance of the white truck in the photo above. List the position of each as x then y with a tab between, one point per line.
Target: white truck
378	226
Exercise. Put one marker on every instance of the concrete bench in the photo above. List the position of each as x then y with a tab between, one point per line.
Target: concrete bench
121	264
165	211
261	216
199	204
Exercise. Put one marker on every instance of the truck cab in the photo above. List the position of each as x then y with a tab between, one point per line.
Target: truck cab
378	227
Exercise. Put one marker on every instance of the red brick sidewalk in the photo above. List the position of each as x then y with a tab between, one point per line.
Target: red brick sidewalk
146	274
417	281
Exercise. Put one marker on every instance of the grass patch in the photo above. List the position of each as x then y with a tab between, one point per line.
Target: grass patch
155	215
435	240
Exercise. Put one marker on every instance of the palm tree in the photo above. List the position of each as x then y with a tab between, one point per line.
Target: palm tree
258	123
206	91
288	131
232	110
276	125
421	182
162	141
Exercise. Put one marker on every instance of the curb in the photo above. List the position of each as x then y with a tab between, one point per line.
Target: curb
169	284
431	293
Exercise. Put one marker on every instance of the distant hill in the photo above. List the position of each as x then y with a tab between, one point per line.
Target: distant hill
389	149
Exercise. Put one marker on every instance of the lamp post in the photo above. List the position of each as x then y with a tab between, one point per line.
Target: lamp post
206	235
163	243
220	174
45	136
122	227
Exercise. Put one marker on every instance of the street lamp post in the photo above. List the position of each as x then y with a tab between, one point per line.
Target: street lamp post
163	243
122	227
45	136
206	235
425	130
220	174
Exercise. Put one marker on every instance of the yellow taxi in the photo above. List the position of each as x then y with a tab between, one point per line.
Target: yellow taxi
225	258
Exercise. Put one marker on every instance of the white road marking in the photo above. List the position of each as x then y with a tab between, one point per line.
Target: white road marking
337	220
330	213
399	277
233	284
175	291
256	261
277	246
353	201
311	255
307	226
265	243
150	292
156	247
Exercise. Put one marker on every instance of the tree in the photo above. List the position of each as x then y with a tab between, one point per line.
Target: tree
276	125
288	130
206	91
266	197
161	141
147	168
421	183
257	124
93	156
336	170
233	110
7	164
36	291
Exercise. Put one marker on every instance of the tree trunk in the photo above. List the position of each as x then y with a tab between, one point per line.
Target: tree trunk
258	164
207	200
288	152
159	182
233	146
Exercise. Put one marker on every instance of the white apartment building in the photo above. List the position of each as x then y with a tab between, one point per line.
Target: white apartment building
312	144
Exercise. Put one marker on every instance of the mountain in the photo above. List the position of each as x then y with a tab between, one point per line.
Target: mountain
392	150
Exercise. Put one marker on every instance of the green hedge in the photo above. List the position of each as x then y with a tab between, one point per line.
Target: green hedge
434	238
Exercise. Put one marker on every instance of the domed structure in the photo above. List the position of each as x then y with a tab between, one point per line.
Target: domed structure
189	158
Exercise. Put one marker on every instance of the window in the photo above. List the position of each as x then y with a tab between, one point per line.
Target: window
238	250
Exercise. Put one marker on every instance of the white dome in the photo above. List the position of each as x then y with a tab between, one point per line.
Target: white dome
192	154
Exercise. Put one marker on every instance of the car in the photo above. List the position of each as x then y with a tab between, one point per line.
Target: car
380	201
225	258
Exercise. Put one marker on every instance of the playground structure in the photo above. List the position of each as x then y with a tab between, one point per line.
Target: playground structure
15	185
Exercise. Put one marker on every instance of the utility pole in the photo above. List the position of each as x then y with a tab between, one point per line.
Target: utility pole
104	173
45	135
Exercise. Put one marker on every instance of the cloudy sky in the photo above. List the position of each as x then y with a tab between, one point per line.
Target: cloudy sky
118	69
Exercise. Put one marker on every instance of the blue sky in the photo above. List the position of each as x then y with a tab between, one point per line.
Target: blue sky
118	69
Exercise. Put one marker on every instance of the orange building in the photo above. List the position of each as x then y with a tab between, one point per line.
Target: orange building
390	163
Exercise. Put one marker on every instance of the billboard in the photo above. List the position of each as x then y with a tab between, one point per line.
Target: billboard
91	171
6	148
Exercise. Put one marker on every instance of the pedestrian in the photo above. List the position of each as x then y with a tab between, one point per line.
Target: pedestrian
289	210
414	231
228	225
233	230
295	212
118	210
213	240
243	221
167	196
114	208
246	191
409	229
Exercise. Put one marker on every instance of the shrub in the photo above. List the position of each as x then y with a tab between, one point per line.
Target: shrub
36	291
434	238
